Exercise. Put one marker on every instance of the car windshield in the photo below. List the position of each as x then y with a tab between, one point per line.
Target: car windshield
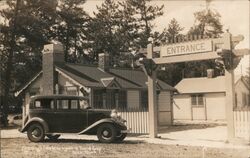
84	104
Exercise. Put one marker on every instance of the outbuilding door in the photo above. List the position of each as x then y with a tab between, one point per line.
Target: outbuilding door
198	108
165	108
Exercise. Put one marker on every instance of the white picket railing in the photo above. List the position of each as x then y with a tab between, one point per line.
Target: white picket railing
137	121
242	124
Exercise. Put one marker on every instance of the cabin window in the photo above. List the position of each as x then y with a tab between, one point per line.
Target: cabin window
98	98
122	99
244	99
110	99
71	90
248	100
236	99
44	104
197	100
144	99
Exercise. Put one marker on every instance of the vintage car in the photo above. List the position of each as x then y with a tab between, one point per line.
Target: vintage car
57	114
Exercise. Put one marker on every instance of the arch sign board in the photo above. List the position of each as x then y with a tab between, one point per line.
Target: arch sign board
186	48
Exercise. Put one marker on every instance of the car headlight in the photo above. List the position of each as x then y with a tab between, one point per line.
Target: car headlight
114	113
117	116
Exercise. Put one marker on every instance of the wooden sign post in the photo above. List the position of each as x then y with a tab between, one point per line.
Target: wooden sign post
152	100
199	49
230	92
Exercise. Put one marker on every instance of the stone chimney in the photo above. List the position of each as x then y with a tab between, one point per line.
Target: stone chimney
52	54
103	61
210	73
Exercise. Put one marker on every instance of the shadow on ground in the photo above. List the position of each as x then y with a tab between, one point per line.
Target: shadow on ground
10	126
183	126
84	141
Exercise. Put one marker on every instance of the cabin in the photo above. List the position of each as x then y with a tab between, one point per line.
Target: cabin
204	98
242	92
200	99
105	86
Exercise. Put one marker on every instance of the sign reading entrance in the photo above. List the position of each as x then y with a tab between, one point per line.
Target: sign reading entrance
186	48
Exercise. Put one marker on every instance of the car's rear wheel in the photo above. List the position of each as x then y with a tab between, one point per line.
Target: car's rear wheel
106	133
121	137
35	133
53	136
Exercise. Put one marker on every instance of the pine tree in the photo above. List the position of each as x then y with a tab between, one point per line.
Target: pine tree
172	31
71	28
105	31
24	32
173	72
207	23
145	14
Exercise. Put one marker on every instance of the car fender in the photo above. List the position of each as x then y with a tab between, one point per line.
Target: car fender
35	119
106	120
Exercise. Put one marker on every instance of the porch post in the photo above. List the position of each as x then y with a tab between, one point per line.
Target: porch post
230	99
152	102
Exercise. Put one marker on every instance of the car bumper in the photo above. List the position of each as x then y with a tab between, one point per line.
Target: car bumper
125	131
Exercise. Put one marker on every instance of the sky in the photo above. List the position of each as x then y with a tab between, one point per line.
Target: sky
235	16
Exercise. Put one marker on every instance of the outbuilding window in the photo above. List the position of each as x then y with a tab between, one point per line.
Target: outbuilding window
197	100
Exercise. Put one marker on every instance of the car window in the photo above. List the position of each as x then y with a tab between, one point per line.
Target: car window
62	104
74	104
44	104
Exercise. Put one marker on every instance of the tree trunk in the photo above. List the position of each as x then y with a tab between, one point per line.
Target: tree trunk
67	45
9	67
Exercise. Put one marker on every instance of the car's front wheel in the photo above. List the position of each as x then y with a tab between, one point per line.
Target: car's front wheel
53	137
35	133
106	133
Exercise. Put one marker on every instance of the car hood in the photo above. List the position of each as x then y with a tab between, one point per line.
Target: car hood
103	111
100	110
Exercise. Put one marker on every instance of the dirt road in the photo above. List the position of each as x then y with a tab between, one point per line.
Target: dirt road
20	147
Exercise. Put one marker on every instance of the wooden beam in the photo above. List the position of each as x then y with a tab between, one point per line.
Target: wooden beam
216	41
187	58
241	52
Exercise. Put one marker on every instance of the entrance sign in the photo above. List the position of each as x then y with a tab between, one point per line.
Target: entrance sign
186	48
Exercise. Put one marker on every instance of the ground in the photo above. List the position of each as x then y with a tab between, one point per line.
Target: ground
202	140
21	147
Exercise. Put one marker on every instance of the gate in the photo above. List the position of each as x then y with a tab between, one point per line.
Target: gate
137	120
242	123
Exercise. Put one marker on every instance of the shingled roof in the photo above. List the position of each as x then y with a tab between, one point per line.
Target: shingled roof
92	76
201	85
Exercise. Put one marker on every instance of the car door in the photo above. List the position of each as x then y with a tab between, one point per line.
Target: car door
44	108
68	117
78	116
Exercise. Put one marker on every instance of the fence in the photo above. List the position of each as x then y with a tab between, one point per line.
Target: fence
242	124
137	120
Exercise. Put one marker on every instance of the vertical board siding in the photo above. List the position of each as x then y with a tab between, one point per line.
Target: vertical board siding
133	99
164	108
242	124
137	121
